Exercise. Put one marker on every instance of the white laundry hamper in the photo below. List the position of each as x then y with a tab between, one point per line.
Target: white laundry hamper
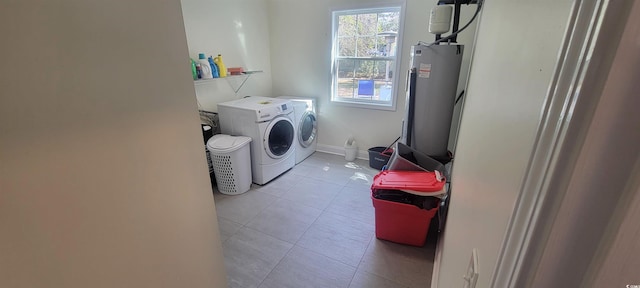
231	157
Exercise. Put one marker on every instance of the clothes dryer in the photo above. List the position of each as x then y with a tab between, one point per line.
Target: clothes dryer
306	125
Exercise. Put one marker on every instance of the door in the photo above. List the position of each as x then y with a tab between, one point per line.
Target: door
307	128
278	137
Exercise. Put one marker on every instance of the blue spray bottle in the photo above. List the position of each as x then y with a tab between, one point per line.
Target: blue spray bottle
214	68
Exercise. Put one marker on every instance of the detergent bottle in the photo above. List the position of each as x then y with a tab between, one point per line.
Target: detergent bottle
221	68
214	68
205	66
194	72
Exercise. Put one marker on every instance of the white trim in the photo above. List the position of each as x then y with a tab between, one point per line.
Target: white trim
338	150
567	112
437	260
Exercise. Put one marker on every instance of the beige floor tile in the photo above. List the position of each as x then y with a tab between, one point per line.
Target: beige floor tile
242	208
363	176
313	193
335	176
368	280
301	170
279	185
227	228
302	268
355	203
332	157
338	237
340	172
285	220
316	160
250	256
407	265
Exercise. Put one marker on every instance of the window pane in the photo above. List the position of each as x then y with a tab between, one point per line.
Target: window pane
345	78
367	24
386	45
388	22
347	25
367	47
371	69
365	69
345	87
373	80
347	46
364	79
383	69
345	68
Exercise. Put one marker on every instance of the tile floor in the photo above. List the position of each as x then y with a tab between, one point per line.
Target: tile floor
314	227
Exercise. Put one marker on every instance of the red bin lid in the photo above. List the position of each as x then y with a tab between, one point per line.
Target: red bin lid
415	182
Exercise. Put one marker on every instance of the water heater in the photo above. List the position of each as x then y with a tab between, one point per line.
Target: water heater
431	93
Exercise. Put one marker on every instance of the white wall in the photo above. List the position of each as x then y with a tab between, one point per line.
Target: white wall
239	31
513	64
301	62
103	177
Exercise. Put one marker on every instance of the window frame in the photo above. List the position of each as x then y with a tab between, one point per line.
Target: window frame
391	105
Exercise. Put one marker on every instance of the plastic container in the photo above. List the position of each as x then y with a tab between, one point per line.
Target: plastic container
350	149
194	71
231	160
440	19
407	159
221	68
199	70
413	188
235	70
377	159
214	68
402	223
403	217
204	65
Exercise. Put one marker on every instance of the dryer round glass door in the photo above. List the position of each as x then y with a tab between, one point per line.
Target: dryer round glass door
278	137
307	129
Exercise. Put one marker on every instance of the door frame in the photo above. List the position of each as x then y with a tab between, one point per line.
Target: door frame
586	56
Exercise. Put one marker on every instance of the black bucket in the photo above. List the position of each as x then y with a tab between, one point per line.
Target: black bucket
377	160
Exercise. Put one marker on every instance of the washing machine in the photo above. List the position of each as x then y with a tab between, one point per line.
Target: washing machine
306	124
269	123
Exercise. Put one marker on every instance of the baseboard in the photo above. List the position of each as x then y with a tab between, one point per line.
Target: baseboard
339	150
437	261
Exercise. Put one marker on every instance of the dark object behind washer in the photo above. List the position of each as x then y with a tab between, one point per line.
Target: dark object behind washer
210	126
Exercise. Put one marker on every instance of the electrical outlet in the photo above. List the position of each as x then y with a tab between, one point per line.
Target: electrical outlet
471	277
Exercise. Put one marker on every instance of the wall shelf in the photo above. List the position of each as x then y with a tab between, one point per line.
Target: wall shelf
235	81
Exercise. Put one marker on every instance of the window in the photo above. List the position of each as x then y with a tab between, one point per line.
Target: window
364	58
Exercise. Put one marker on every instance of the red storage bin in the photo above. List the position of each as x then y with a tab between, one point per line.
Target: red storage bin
400	222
